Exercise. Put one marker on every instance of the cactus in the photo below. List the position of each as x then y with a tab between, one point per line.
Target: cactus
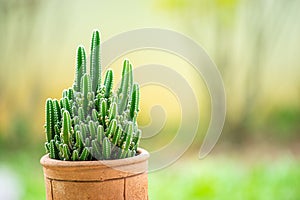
91	121
125	87
95	68
134	105
66	129
49	120
80	67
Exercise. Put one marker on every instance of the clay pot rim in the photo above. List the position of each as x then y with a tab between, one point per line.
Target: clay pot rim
143	155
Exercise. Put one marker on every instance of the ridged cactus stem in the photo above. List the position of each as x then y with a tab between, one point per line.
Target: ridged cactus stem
103	110
130	80
112	111
81	114
49	120
117	136
75	155
85	153
100	133
106	148
124	71
66	152
126	85
128	138
53	152
57	112
83	131
78	138
92	129
67	106
123	154
96	149
87	142
66	127
65	93
136	139
70	94
135	97
80	67
108	82
112	128
85	89
94	115
95	68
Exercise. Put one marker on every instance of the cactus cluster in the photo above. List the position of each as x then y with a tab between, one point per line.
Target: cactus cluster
90	121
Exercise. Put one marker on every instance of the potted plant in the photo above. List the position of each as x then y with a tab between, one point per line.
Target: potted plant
92	136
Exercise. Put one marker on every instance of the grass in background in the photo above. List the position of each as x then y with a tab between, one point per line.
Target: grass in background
216	177
225	178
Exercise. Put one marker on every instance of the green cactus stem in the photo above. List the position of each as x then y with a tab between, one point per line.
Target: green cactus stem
135	97
75	155
112	128
53	152
106	148
103	109
67	106
92	129
123	154
66	152
65	93
66	131
108	82
94	115
126	85
112	111
78	138
136	139
81	114
87	142
124	72
130	80
95	68
128	138
85	89
96	149
117	136
80	67
49	120
57	112
85	153
100	134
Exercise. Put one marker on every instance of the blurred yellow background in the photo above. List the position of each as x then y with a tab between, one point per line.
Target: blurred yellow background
254	43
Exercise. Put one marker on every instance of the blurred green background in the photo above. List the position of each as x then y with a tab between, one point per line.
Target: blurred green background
255	45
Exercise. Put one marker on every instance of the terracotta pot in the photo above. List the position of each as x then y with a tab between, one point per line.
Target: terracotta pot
111	179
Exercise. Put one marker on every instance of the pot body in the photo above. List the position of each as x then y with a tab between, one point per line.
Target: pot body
110	179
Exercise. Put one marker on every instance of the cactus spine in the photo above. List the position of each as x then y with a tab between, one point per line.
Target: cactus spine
90	121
